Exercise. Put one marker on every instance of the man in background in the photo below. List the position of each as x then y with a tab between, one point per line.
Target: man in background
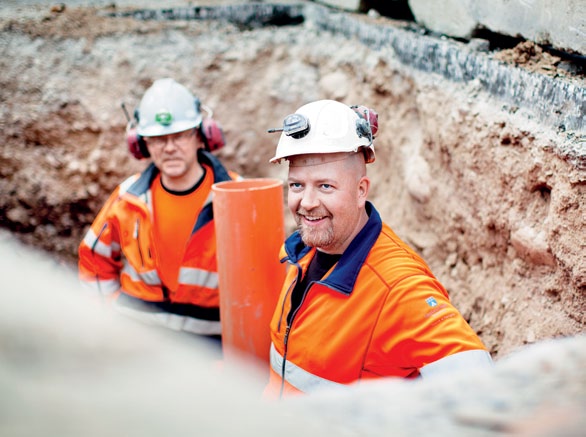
151	250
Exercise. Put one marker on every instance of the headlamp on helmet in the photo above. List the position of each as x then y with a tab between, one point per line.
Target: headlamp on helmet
325	126
296	125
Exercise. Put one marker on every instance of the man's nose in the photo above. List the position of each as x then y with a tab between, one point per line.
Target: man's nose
309	199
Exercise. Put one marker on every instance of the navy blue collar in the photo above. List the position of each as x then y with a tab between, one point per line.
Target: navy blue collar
346	271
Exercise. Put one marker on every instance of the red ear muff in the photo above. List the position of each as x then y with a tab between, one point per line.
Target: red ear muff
212	134
136	144
369	115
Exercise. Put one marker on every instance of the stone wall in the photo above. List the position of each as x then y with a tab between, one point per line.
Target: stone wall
561	24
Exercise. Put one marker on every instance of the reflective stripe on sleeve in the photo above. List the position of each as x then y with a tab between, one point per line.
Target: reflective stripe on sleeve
173	321
150	278
467	360
105	250
199	277
297	377
104	287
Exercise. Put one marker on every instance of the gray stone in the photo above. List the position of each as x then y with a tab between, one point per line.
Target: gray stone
349	5
561	23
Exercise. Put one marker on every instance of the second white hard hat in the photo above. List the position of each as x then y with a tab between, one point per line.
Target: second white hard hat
324	126
167	107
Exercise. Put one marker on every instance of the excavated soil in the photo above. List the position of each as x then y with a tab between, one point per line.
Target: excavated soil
477	186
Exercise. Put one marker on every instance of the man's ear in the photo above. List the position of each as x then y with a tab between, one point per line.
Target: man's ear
363	188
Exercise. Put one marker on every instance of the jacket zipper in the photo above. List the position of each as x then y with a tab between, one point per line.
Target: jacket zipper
136	235
93	256
164	290
287	331
291	287
289	291
285	341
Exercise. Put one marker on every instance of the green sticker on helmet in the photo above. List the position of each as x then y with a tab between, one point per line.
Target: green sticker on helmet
164	117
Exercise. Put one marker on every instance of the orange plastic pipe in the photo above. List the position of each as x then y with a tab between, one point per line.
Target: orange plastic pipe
249	222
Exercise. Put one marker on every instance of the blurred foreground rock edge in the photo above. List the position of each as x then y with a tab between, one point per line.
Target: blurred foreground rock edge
71	368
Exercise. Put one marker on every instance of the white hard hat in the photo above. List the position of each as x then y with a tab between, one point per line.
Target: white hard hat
324	126
167	107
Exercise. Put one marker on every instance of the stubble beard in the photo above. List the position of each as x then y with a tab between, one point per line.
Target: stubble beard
316	238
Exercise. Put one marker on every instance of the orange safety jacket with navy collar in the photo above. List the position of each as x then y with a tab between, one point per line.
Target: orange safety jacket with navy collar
118	258
378	312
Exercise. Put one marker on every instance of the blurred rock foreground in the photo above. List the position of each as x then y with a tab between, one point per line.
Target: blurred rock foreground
70	367
481	166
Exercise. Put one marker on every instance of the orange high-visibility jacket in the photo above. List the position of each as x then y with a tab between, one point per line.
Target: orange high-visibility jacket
118	257
378	312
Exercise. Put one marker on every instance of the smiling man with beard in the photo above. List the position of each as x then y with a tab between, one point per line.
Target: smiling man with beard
357	302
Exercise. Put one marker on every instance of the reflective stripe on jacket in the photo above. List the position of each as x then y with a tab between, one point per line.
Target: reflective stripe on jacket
118	255
379	312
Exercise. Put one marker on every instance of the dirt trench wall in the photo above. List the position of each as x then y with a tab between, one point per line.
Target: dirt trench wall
480	187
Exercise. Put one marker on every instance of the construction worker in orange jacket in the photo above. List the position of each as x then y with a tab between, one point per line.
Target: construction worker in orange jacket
151	250
357	302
